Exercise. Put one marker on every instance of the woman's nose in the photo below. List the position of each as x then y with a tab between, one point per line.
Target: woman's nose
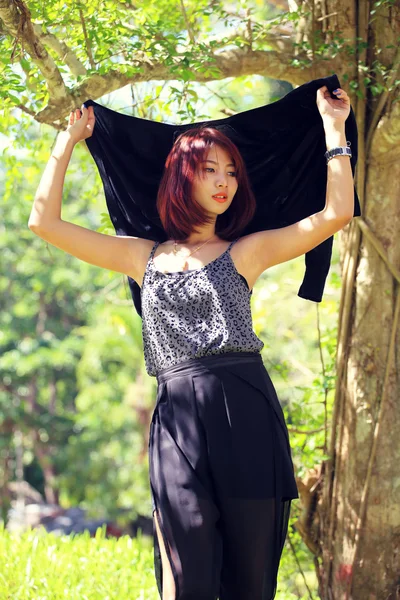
222	181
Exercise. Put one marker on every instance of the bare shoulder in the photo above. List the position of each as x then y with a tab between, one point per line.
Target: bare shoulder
256	252
244	256
140	249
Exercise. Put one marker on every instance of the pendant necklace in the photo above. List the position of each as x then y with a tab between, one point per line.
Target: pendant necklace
185	264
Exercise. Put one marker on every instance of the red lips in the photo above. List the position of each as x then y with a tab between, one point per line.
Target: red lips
223	199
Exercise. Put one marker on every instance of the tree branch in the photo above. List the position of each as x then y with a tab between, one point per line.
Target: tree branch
233	62
187	23
230	63
87	42
17	21
61	49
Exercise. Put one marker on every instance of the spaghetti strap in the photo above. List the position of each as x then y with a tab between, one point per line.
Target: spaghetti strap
154	248
149	263
232	242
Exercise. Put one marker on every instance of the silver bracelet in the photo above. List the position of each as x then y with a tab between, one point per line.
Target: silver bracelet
339	150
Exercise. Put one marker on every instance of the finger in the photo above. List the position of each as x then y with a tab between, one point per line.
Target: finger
339	92
91	117
342	97
84	113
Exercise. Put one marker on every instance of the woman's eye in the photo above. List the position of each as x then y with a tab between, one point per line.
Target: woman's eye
232	173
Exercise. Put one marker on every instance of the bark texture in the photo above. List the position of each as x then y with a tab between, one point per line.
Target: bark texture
354	518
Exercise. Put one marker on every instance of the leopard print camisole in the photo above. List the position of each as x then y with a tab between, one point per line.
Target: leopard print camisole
194	313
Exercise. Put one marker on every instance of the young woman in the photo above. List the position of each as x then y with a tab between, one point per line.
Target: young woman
221	472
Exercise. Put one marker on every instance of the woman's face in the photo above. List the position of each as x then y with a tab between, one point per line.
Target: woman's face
216	176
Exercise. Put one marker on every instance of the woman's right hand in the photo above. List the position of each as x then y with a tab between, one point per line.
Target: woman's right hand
80	126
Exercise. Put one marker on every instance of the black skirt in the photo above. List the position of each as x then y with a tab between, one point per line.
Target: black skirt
221	477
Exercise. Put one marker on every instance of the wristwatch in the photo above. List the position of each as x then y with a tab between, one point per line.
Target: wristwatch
345	150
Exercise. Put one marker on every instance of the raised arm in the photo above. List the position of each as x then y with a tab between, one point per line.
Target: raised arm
264	249
116	253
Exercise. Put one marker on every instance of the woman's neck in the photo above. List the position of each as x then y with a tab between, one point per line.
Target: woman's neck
197	238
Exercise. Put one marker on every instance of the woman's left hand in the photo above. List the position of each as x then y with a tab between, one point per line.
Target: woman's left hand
333	110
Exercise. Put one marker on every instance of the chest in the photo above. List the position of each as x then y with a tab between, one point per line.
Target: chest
172	267
214	288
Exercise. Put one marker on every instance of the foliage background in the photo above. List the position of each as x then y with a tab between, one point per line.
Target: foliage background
74	394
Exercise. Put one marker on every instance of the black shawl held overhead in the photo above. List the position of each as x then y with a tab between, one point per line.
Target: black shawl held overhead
282	144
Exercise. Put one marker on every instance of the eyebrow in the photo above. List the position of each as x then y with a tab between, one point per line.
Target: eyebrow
213	161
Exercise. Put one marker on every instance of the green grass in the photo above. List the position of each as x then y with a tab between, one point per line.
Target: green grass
38	565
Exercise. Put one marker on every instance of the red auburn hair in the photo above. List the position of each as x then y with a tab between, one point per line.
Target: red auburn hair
177	210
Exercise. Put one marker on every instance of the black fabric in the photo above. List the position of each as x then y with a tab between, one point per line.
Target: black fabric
221	477
282	144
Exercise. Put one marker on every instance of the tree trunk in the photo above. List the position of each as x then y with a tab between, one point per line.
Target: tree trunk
354	524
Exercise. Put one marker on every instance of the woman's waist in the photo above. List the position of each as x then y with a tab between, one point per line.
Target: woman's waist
200	364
